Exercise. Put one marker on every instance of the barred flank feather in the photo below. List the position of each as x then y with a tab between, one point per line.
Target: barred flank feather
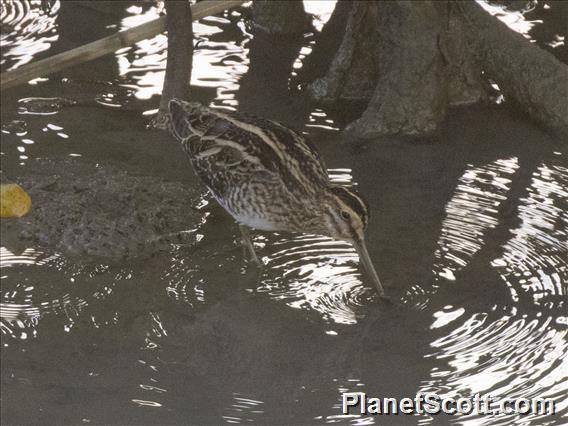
268	176
259	170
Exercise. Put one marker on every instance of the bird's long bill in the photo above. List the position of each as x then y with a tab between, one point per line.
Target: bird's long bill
368	264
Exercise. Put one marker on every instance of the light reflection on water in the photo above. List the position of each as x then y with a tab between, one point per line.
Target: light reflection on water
321	10
184	279
513	19
513	355
216	64
471	213
510	356
535	258
25	30
507	350
36	284
309	272
20	309
243	409
319	119
316	273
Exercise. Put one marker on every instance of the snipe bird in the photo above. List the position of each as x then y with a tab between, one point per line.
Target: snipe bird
269	177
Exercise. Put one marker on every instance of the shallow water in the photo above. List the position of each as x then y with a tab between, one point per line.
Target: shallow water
469	232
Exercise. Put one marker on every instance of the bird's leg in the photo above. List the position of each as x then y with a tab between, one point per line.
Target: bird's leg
247	245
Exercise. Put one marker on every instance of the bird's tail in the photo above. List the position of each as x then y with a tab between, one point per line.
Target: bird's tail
190	118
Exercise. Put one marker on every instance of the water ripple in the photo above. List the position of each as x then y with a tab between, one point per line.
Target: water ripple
26	30
471	212
317	273
243	409
509	356
184	280
35	284
216	64
535	259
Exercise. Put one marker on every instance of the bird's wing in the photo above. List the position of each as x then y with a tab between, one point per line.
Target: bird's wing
222	144
254	144
271	145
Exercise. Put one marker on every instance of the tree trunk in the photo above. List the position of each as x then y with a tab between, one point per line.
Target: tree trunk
180	51
280	16
532	77
399	57
328	40
180	57
411	61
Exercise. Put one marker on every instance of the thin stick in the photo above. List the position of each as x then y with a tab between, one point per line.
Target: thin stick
105	45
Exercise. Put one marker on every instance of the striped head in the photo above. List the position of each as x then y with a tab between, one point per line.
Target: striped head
346	214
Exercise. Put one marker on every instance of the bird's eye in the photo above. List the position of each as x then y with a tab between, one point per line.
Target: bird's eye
345	215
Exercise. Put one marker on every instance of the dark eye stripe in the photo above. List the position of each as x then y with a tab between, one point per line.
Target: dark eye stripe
354	201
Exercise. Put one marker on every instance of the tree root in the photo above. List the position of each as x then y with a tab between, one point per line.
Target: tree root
412	61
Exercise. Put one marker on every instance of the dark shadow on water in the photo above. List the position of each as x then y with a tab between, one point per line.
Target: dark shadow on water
266	85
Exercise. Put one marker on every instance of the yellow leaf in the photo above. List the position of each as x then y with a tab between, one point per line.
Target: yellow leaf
14	201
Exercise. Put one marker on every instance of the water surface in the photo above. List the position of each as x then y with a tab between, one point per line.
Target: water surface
469	232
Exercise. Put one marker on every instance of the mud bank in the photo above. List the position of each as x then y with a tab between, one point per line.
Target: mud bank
85	209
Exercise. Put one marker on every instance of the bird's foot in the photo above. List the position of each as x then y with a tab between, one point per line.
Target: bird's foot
248	247
253	272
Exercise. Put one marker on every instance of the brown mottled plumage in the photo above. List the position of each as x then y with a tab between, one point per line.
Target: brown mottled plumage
268	177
